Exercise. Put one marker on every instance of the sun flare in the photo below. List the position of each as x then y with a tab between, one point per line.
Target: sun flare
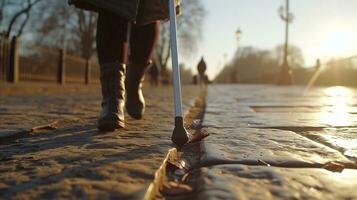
338	101
338	43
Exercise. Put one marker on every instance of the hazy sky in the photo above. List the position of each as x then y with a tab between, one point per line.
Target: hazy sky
322	28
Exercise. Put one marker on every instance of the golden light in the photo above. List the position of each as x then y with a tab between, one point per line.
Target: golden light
338	101
338	43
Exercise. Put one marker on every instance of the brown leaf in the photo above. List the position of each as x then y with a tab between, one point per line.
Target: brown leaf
51	126
175	189
334	167
198	135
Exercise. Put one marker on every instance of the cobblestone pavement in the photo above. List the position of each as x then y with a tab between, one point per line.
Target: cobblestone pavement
72	159
270	142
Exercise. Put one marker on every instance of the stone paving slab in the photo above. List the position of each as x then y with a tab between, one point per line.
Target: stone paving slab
275	147
327	107
258	182
236	110
343	139
75	160
270	142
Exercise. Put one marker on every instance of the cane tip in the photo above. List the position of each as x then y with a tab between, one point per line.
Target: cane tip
179	136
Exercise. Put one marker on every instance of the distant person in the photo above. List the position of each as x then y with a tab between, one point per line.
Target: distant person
201	68
318	64
154	75
118	18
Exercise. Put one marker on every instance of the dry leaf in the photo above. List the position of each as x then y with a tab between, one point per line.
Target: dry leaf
175	189
51	126
198	135
334	167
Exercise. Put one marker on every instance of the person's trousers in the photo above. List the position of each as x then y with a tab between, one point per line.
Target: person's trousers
115	35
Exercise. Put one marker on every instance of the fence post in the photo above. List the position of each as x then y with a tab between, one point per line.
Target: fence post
13	64
4	55
61	70
88	72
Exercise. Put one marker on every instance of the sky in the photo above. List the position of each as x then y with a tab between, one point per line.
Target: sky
321	28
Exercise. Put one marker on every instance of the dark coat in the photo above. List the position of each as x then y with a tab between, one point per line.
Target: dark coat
148	11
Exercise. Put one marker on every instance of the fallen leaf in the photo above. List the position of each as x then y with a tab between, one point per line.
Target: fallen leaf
198	135
334	167
175	189
52	126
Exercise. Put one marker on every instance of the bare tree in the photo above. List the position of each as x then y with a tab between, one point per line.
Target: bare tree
85	33
52	25
189	27
294	55
2	8
25	9
250	65
62	25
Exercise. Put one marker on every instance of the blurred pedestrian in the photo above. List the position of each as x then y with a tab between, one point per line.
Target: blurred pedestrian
318	65
122	23
154	75
201	68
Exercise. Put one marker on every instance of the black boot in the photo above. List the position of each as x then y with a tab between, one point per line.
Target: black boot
135	102
112	77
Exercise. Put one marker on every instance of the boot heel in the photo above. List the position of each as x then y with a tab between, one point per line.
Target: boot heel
112	79
135	101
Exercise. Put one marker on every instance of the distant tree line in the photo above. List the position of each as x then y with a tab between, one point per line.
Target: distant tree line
253	65
250	65
338	72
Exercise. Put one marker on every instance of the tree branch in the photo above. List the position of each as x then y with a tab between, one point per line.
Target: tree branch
19	33
19	13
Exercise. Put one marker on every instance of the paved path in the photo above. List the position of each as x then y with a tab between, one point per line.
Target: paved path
266	142
271	142
74	160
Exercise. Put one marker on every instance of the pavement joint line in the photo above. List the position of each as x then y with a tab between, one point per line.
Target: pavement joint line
299	131
298	128
260	162
160	175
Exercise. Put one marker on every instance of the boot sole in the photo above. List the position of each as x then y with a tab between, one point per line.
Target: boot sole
109	125
135	115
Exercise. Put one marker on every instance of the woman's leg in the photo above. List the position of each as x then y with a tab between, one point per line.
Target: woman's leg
112	47
143	41
112	38
142	44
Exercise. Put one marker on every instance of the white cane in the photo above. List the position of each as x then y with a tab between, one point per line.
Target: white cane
179	135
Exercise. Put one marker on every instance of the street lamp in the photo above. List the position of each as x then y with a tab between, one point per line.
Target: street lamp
238	35
285	77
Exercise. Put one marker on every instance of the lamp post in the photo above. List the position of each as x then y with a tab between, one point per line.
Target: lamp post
238	35
285	77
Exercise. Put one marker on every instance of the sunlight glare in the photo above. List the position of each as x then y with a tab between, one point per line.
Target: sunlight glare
338	43
338	99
